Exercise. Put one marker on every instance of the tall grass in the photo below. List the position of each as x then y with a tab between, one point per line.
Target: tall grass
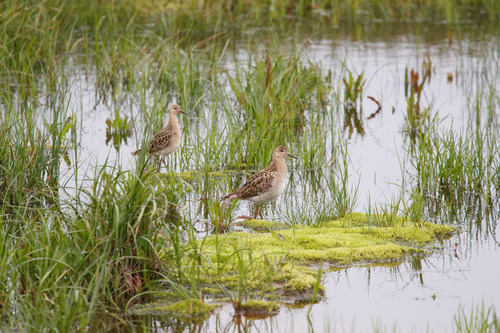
273	96
36	32
456	173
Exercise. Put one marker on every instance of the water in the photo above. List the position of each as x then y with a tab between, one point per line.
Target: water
416	295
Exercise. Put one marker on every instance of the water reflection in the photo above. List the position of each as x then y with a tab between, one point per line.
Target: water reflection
118	130
353	112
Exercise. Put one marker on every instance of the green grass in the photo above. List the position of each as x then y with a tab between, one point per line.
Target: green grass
74	247
479	319
35	33
455	172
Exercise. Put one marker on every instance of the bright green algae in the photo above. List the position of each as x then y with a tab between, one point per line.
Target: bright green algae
258	308
281	266
341	242
188	308
262	226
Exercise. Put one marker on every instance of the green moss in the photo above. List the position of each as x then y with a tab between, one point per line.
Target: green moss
210	291
267	266
259	308
188	309
262	225
336	245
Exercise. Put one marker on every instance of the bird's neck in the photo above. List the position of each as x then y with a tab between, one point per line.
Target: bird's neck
280	164
172	119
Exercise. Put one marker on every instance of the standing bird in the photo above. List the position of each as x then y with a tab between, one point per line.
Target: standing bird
168	139
266	185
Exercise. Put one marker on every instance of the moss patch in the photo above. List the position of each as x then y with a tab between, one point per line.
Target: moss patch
262	226
337	242
282	265
259	308
187	309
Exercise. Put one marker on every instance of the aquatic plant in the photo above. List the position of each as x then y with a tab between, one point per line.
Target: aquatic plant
418	118
480	319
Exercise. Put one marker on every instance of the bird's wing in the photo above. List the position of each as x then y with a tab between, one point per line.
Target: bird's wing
258	183
161	140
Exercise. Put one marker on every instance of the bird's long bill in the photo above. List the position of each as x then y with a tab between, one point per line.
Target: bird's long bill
184	112
292	156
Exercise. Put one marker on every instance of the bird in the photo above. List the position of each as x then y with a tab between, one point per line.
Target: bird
266	185
168	139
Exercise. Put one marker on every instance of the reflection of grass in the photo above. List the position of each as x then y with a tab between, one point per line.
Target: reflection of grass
353	92
118	129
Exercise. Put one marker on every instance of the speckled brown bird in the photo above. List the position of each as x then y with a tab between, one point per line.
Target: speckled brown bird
168	139
266	185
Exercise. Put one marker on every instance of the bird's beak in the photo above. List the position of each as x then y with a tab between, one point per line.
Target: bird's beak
293	156
184	112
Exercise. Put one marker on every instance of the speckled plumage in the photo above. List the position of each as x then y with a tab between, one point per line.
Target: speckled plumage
168	139
267	184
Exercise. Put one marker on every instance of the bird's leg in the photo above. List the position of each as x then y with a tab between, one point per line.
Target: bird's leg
257	210
165	163
159	165
260	212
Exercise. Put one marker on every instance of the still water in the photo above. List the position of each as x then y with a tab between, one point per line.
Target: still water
415	295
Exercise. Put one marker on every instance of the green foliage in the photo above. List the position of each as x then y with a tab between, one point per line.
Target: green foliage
123	208
76	244
274	94
219	217
29	158
455	173
479	320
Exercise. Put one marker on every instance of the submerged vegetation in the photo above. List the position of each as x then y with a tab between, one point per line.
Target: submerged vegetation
82	239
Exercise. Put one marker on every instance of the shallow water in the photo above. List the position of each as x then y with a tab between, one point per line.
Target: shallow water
416	296
413	296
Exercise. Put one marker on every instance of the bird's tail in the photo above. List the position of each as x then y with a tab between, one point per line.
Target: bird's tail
137	152
226	201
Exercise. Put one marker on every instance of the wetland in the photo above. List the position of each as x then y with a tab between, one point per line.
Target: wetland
390	214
